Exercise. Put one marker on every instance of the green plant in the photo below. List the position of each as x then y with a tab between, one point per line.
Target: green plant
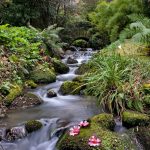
116	82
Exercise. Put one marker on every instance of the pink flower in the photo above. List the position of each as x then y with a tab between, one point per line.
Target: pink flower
94	141
83	123
74	130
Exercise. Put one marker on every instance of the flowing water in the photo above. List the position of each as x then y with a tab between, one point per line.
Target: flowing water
56	114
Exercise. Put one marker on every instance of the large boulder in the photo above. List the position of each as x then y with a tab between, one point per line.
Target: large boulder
42	74
71	87
99	126
59	66
33	125
132	119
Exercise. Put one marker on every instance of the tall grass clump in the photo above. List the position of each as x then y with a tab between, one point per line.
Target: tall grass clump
117	82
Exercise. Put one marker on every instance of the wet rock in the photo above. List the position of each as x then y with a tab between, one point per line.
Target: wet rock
15	133
99	126
25	101
51	94
42	74
71	61
59	66
33	125
71	87
132	119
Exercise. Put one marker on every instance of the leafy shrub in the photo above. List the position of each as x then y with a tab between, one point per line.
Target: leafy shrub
116	82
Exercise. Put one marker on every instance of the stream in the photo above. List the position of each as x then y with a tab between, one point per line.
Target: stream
56	114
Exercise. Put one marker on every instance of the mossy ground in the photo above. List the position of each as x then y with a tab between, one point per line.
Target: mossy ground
110	140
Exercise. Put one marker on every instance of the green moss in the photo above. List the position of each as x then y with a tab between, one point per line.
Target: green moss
31	84
79	79
80	43
42	74
132	119
15	91
104	120
33	125
70	87
84	68
59	66
110	140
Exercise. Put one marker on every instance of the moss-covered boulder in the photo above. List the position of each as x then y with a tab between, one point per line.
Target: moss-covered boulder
14	92
110	140
71	87
59	66
33	125
105	120
132	119
31	84
43	74
84	68
26	100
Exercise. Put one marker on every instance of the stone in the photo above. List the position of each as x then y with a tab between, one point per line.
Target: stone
33	125
59	66
71	87
51	94
42	74
71	61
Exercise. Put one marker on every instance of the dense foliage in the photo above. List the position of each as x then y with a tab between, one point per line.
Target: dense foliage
118	82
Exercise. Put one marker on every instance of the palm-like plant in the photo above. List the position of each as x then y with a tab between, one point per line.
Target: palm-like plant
114	82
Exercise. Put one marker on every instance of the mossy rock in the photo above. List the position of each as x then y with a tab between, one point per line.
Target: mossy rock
71	87
105	120
31	84
33	125
42	74
84	68
14	92
132	119
79	79
110	140
59	66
